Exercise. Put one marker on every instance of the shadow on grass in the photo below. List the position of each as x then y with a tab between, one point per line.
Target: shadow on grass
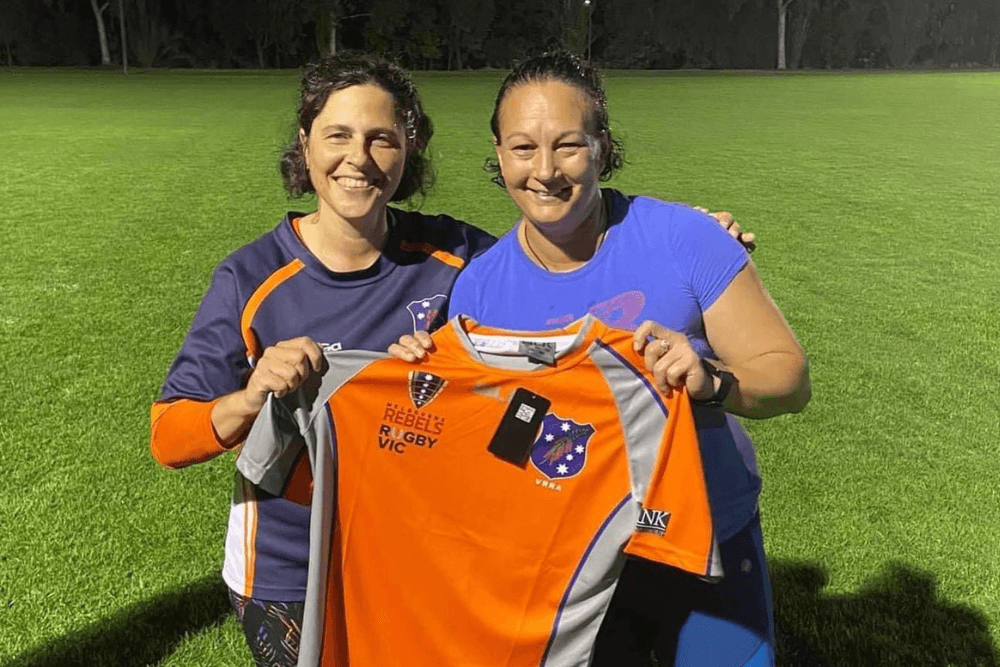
896	618
143	634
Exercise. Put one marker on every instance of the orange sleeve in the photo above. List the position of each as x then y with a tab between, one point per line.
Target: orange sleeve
181	433
677	497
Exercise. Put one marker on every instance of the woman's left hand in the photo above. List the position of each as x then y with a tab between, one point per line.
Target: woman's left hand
672	361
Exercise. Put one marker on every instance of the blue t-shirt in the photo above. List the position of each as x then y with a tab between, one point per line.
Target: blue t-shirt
659	261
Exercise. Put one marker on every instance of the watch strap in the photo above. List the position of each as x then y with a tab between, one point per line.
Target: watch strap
726	380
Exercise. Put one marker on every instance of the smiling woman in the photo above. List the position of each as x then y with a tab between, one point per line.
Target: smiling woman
354	273
553	134
702	318
355	154
547	158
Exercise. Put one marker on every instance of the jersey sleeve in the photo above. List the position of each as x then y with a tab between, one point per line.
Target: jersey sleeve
271	449
297	424
181	433
465	294
675	523
211	363
705	255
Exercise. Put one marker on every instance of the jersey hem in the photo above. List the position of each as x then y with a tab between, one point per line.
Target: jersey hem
266	593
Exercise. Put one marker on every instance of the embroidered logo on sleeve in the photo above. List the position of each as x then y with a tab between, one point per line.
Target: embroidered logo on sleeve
652	521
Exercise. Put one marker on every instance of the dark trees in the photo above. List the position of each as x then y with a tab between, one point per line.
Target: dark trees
459	34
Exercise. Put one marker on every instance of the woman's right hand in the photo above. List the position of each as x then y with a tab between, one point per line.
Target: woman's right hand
281	369
412	348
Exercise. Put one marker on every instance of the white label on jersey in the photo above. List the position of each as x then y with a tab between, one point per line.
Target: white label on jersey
494	344
525	412
331	347
511	345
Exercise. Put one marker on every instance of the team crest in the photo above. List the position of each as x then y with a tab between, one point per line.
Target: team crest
426	312
424	387
561	449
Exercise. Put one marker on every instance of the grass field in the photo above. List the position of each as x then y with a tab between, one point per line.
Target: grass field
876	199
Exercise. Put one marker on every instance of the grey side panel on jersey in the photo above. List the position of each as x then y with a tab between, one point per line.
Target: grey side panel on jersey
642	417
321	515
575	631
320	437
275	440
643	421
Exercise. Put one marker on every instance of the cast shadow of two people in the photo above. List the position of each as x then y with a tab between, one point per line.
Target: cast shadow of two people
896	619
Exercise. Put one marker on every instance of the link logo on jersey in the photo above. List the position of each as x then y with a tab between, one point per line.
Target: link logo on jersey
652	521
424	387
561	449
426	313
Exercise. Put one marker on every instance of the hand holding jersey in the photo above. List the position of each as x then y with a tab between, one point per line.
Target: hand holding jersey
668	355
280	370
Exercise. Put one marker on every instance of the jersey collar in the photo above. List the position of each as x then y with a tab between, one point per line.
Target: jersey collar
583	331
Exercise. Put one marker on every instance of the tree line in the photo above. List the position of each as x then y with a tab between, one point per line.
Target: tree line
463	34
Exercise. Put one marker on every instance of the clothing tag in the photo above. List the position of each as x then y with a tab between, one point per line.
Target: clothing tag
540	353
495	344
518	428
522	346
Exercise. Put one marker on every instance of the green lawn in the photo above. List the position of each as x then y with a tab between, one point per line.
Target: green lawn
876	198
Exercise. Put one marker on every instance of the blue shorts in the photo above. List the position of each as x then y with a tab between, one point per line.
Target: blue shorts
686	622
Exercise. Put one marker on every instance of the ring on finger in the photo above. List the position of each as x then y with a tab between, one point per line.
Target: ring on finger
664	344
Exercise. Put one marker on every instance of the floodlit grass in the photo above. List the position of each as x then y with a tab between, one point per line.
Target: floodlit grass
877	202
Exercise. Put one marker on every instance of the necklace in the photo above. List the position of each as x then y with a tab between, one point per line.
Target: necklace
602	229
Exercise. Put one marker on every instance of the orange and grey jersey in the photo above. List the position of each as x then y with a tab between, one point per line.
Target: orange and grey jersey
275	289
477	508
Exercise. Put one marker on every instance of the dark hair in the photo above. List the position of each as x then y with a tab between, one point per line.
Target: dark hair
562	66
346	69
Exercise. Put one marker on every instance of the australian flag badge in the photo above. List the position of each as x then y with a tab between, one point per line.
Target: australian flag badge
426	312
561	449
424	387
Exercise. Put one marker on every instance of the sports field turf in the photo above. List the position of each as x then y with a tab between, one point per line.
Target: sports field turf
876	198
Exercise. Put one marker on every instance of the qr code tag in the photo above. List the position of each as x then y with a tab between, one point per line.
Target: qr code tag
525	412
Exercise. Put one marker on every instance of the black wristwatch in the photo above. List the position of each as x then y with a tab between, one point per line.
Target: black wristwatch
726	380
